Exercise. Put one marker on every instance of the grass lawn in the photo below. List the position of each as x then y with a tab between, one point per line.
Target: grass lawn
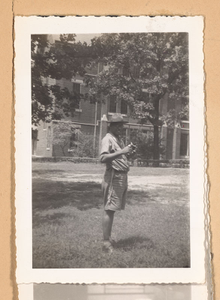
152	232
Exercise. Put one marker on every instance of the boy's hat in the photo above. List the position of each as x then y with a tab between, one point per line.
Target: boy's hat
116	118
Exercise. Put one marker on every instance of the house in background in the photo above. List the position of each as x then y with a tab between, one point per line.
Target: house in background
91	119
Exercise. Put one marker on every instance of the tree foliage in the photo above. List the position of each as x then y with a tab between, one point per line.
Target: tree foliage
72	141
50	62
61	136
145	144
143	69
85	148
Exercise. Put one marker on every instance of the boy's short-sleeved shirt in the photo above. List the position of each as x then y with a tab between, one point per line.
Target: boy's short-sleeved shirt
110	145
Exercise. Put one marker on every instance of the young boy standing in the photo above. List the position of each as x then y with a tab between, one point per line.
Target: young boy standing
114	184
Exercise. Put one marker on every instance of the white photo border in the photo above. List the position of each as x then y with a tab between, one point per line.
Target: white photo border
24	27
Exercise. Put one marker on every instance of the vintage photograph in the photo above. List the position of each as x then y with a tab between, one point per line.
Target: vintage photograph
110	111
111	117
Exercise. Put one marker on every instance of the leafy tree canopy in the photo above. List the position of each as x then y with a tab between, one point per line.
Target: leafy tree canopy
53	61
143	69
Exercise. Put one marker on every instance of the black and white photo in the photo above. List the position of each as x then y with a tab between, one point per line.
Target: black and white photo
110	173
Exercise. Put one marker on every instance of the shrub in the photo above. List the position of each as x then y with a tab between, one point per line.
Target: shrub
145	144
72	141
85	146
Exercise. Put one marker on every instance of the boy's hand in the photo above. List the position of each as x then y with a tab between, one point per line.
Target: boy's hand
127	150
133	149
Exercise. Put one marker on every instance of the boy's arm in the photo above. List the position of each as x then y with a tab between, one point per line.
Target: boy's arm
108	157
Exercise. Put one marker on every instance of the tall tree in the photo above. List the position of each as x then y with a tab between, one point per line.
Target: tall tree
143	69
53	61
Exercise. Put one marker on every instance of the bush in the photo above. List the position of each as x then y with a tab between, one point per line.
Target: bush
69	140
145	144
85	146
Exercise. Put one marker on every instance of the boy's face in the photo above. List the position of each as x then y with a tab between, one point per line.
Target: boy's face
116	128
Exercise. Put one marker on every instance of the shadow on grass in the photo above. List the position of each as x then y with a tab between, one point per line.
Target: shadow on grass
52	195
81	195
138	197
49	219
134	242
49	172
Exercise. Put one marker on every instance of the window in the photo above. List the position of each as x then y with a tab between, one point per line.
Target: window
34	134
169	150
112	106
76	87
184	145
124	107
120	107
48	137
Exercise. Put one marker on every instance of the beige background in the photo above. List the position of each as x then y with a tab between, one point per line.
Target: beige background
210	9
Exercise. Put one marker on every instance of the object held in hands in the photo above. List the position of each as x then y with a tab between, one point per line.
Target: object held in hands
133	148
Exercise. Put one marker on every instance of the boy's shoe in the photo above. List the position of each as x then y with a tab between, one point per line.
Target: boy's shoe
107	247
113	242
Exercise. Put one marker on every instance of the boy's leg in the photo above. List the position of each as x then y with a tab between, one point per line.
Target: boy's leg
107	228
107	223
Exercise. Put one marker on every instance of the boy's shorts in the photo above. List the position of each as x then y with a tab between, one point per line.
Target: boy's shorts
114	188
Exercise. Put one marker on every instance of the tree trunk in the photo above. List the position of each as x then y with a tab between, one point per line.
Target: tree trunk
156	133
